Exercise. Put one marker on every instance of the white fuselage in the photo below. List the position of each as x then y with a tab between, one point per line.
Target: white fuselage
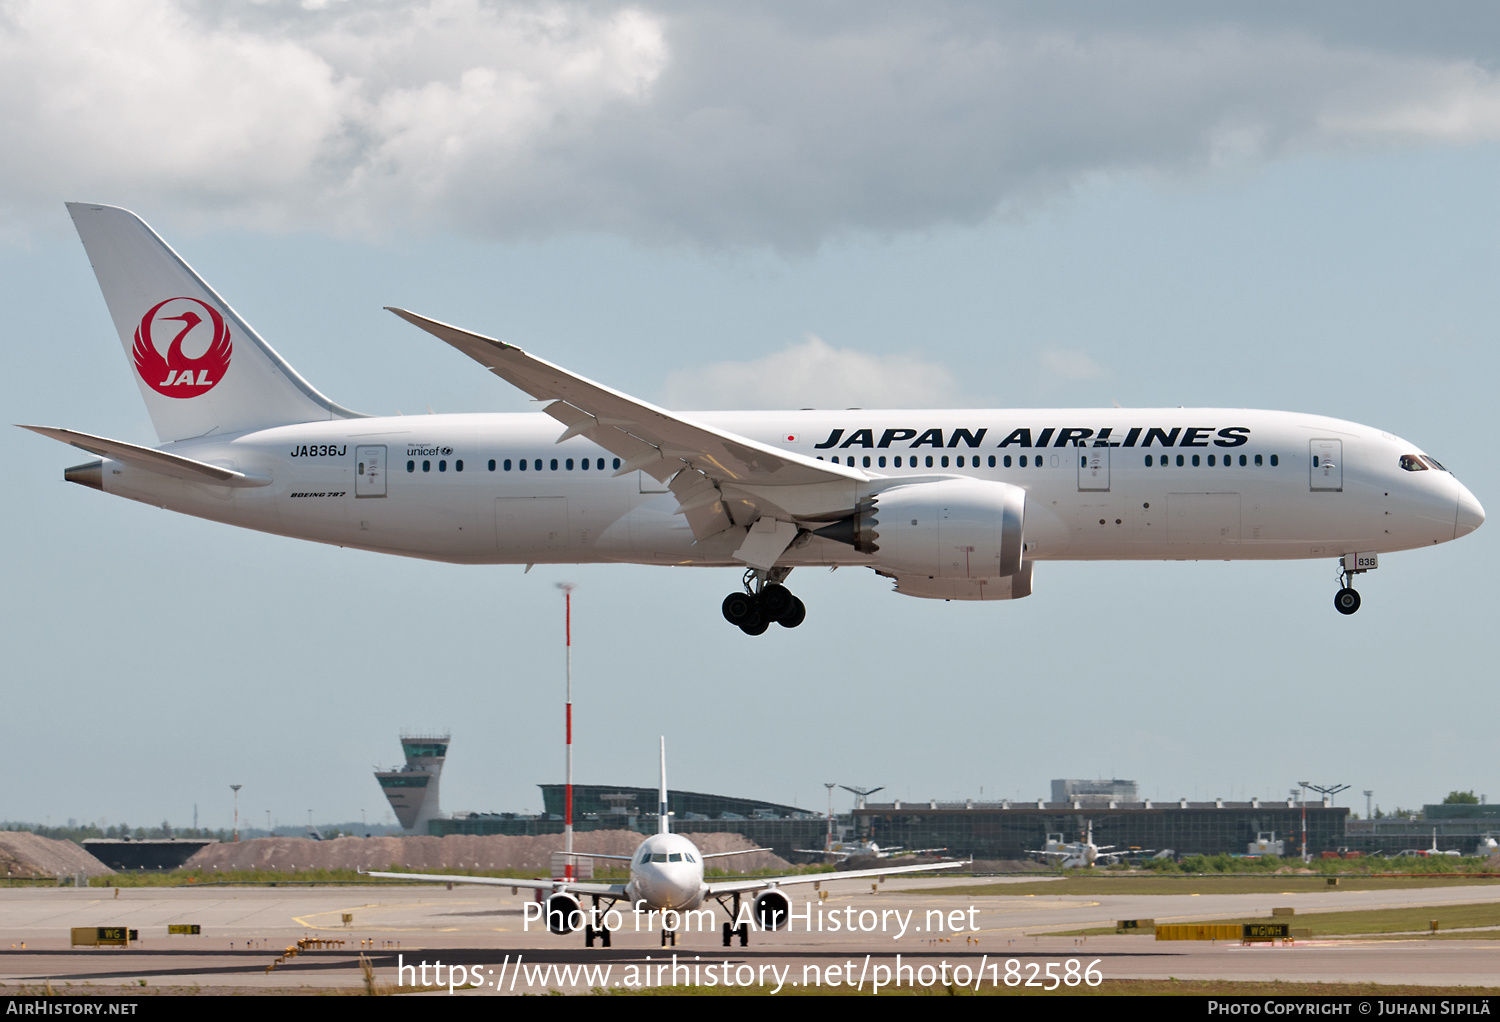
1173	484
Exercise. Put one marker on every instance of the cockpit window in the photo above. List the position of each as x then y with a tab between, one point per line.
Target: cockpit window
675	857
1434	462
1412	463
658	856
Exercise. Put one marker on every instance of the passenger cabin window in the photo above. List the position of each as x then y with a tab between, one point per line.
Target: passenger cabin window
458	466
1257	461
1410	462
426	466
1275	461
617	464
411	466
492	465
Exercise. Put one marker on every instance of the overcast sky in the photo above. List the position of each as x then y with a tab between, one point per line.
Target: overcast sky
758	205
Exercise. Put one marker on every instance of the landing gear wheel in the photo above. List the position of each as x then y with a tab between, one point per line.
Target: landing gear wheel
668	938
755	626
728	934
795	616
591	933
1346	600
744	931
740	608
776	601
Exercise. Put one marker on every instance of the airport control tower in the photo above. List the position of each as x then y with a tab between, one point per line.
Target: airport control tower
413	789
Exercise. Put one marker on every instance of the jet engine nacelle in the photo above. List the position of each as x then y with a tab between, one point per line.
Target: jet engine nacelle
772	909
564	913
951	528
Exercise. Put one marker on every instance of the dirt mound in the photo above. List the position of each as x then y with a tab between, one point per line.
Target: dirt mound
455	851
23	854
1492	864
1010	866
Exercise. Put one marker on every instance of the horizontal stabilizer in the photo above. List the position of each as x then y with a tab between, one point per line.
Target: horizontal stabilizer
149	459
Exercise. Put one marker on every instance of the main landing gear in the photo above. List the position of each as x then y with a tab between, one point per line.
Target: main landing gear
1346	600
764	602
731	931
592	933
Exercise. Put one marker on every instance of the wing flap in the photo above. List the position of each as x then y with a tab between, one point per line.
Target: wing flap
150	459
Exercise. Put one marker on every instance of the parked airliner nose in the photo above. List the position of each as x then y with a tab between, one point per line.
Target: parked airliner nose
1470	514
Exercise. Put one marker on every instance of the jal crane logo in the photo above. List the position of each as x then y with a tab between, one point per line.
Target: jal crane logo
177	374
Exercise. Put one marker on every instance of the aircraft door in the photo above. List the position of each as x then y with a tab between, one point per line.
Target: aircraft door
1093	468
370	466
1327	461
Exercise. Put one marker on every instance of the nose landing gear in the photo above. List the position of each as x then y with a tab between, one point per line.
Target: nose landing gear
1346	600
764	602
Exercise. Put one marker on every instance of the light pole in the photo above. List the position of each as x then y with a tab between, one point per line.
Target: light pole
1303	786
236	789
1369	814
1328	792
567	588
828	847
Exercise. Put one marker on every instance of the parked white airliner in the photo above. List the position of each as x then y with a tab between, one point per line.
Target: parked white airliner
952	505
666	882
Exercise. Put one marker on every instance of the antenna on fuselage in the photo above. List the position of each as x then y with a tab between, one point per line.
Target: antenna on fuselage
663	824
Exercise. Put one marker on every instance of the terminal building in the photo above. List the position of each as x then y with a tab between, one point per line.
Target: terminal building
1013	830
1465	828
781	828
994	830
412	789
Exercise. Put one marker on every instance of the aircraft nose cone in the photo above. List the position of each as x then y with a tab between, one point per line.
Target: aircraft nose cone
1470	514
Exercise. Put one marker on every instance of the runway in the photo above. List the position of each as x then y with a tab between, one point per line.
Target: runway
855	939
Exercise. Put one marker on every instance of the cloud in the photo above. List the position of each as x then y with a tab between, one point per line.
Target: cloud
713	125
814	374
1070	365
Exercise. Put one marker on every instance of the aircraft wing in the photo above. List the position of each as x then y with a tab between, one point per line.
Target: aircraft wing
730	479
756	883
611	890
150	459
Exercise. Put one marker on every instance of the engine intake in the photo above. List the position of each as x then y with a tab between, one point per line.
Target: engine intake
564	913
773	910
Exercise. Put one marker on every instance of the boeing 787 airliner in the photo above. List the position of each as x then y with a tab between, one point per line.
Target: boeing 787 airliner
947	504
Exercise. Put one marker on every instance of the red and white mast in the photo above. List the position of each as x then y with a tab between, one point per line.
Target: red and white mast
567	588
